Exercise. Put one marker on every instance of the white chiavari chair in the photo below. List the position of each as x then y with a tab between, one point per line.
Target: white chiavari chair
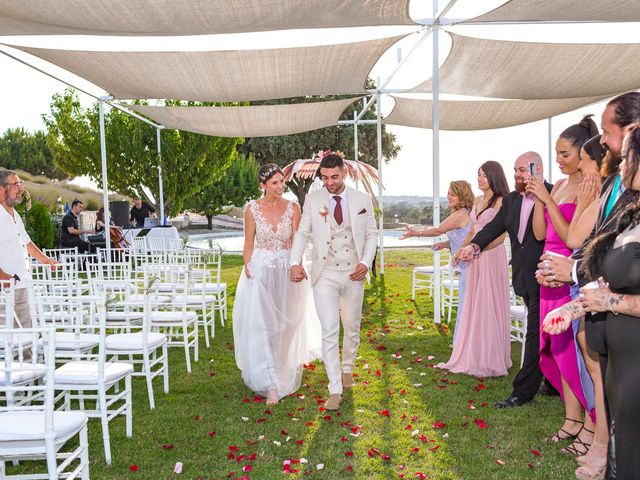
175	317
34	430
140	341
156	243
211	268
90	377
518	313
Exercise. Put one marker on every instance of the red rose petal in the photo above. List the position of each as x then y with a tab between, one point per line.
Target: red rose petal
535	452
133	468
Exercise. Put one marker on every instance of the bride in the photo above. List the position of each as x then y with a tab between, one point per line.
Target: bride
275	326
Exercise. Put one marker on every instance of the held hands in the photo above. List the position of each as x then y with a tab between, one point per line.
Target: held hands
466	254
596	299
409	232
554	270
297	273
359	273
556	321
536	186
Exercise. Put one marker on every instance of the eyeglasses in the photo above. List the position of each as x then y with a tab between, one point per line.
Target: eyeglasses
18	184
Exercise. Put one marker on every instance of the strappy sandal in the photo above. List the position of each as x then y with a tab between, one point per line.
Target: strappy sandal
578	447
557	437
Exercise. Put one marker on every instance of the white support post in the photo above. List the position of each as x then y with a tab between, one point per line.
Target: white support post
162	219
380	205
550	146
435	34
105	187
355	139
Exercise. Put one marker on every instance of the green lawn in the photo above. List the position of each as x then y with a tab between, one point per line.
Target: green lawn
404	419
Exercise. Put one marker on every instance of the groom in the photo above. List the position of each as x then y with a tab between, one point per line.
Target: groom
340	222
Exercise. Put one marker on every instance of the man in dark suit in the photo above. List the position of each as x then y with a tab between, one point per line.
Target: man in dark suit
515	217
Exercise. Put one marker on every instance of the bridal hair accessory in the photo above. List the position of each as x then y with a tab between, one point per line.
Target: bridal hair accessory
324	212
268	172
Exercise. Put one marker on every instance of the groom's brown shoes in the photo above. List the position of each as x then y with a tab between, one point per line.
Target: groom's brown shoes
347	380
333	403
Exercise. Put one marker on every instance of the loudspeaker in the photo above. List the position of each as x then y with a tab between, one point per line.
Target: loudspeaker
120	212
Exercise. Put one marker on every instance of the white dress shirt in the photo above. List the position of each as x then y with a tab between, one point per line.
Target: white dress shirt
343	202
14	256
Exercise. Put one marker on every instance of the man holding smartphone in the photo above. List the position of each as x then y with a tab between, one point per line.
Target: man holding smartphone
515	217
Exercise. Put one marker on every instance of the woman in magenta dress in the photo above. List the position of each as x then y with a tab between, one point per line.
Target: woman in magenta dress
482	346
560	359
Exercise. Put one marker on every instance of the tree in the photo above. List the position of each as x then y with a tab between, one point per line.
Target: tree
190	162
235	187
285	149
23	150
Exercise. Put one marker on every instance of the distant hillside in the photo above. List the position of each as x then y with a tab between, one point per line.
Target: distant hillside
410	199
45	190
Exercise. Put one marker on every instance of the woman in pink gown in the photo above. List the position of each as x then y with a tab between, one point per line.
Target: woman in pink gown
560	359
482	346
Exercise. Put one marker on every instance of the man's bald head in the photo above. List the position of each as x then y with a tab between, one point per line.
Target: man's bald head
521	169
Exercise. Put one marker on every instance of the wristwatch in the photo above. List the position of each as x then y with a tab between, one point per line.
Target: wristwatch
16	277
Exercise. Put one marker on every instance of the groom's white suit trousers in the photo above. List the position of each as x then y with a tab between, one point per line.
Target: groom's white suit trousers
337	249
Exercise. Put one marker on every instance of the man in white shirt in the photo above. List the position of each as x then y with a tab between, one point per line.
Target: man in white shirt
15	244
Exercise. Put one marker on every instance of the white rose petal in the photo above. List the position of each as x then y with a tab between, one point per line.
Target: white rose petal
320	466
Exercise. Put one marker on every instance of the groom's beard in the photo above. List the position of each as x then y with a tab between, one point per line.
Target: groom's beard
520	186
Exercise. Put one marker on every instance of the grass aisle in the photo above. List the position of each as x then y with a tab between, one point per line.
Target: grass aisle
404	419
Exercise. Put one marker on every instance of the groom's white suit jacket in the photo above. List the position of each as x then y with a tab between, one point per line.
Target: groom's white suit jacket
316	227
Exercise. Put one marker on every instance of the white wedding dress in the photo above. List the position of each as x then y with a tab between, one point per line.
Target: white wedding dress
275	326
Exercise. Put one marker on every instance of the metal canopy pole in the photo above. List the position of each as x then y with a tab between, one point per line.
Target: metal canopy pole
105	188
549	141
162	219
380	206
355	139
436	161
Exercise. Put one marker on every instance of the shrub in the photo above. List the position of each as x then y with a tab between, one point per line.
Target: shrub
40	226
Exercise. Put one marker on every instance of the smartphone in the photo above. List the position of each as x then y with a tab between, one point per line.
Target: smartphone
532	169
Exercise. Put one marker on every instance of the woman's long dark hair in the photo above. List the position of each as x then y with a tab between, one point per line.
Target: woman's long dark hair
497	182
579	133
629	218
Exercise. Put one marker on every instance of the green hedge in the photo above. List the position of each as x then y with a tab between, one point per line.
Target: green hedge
39	225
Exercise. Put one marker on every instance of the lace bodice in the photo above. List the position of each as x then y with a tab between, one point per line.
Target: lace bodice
266	237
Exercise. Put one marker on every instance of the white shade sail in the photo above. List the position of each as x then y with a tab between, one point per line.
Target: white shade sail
235	75
521	70
480	115
563	11
252	121
192	17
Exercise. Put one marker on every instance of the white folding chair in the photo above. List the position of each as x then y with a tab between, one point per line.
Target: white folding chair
518	312
34	431
89	376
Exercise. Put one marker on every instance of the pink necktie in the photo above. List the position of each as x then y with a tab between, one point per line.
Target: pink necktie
337	212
